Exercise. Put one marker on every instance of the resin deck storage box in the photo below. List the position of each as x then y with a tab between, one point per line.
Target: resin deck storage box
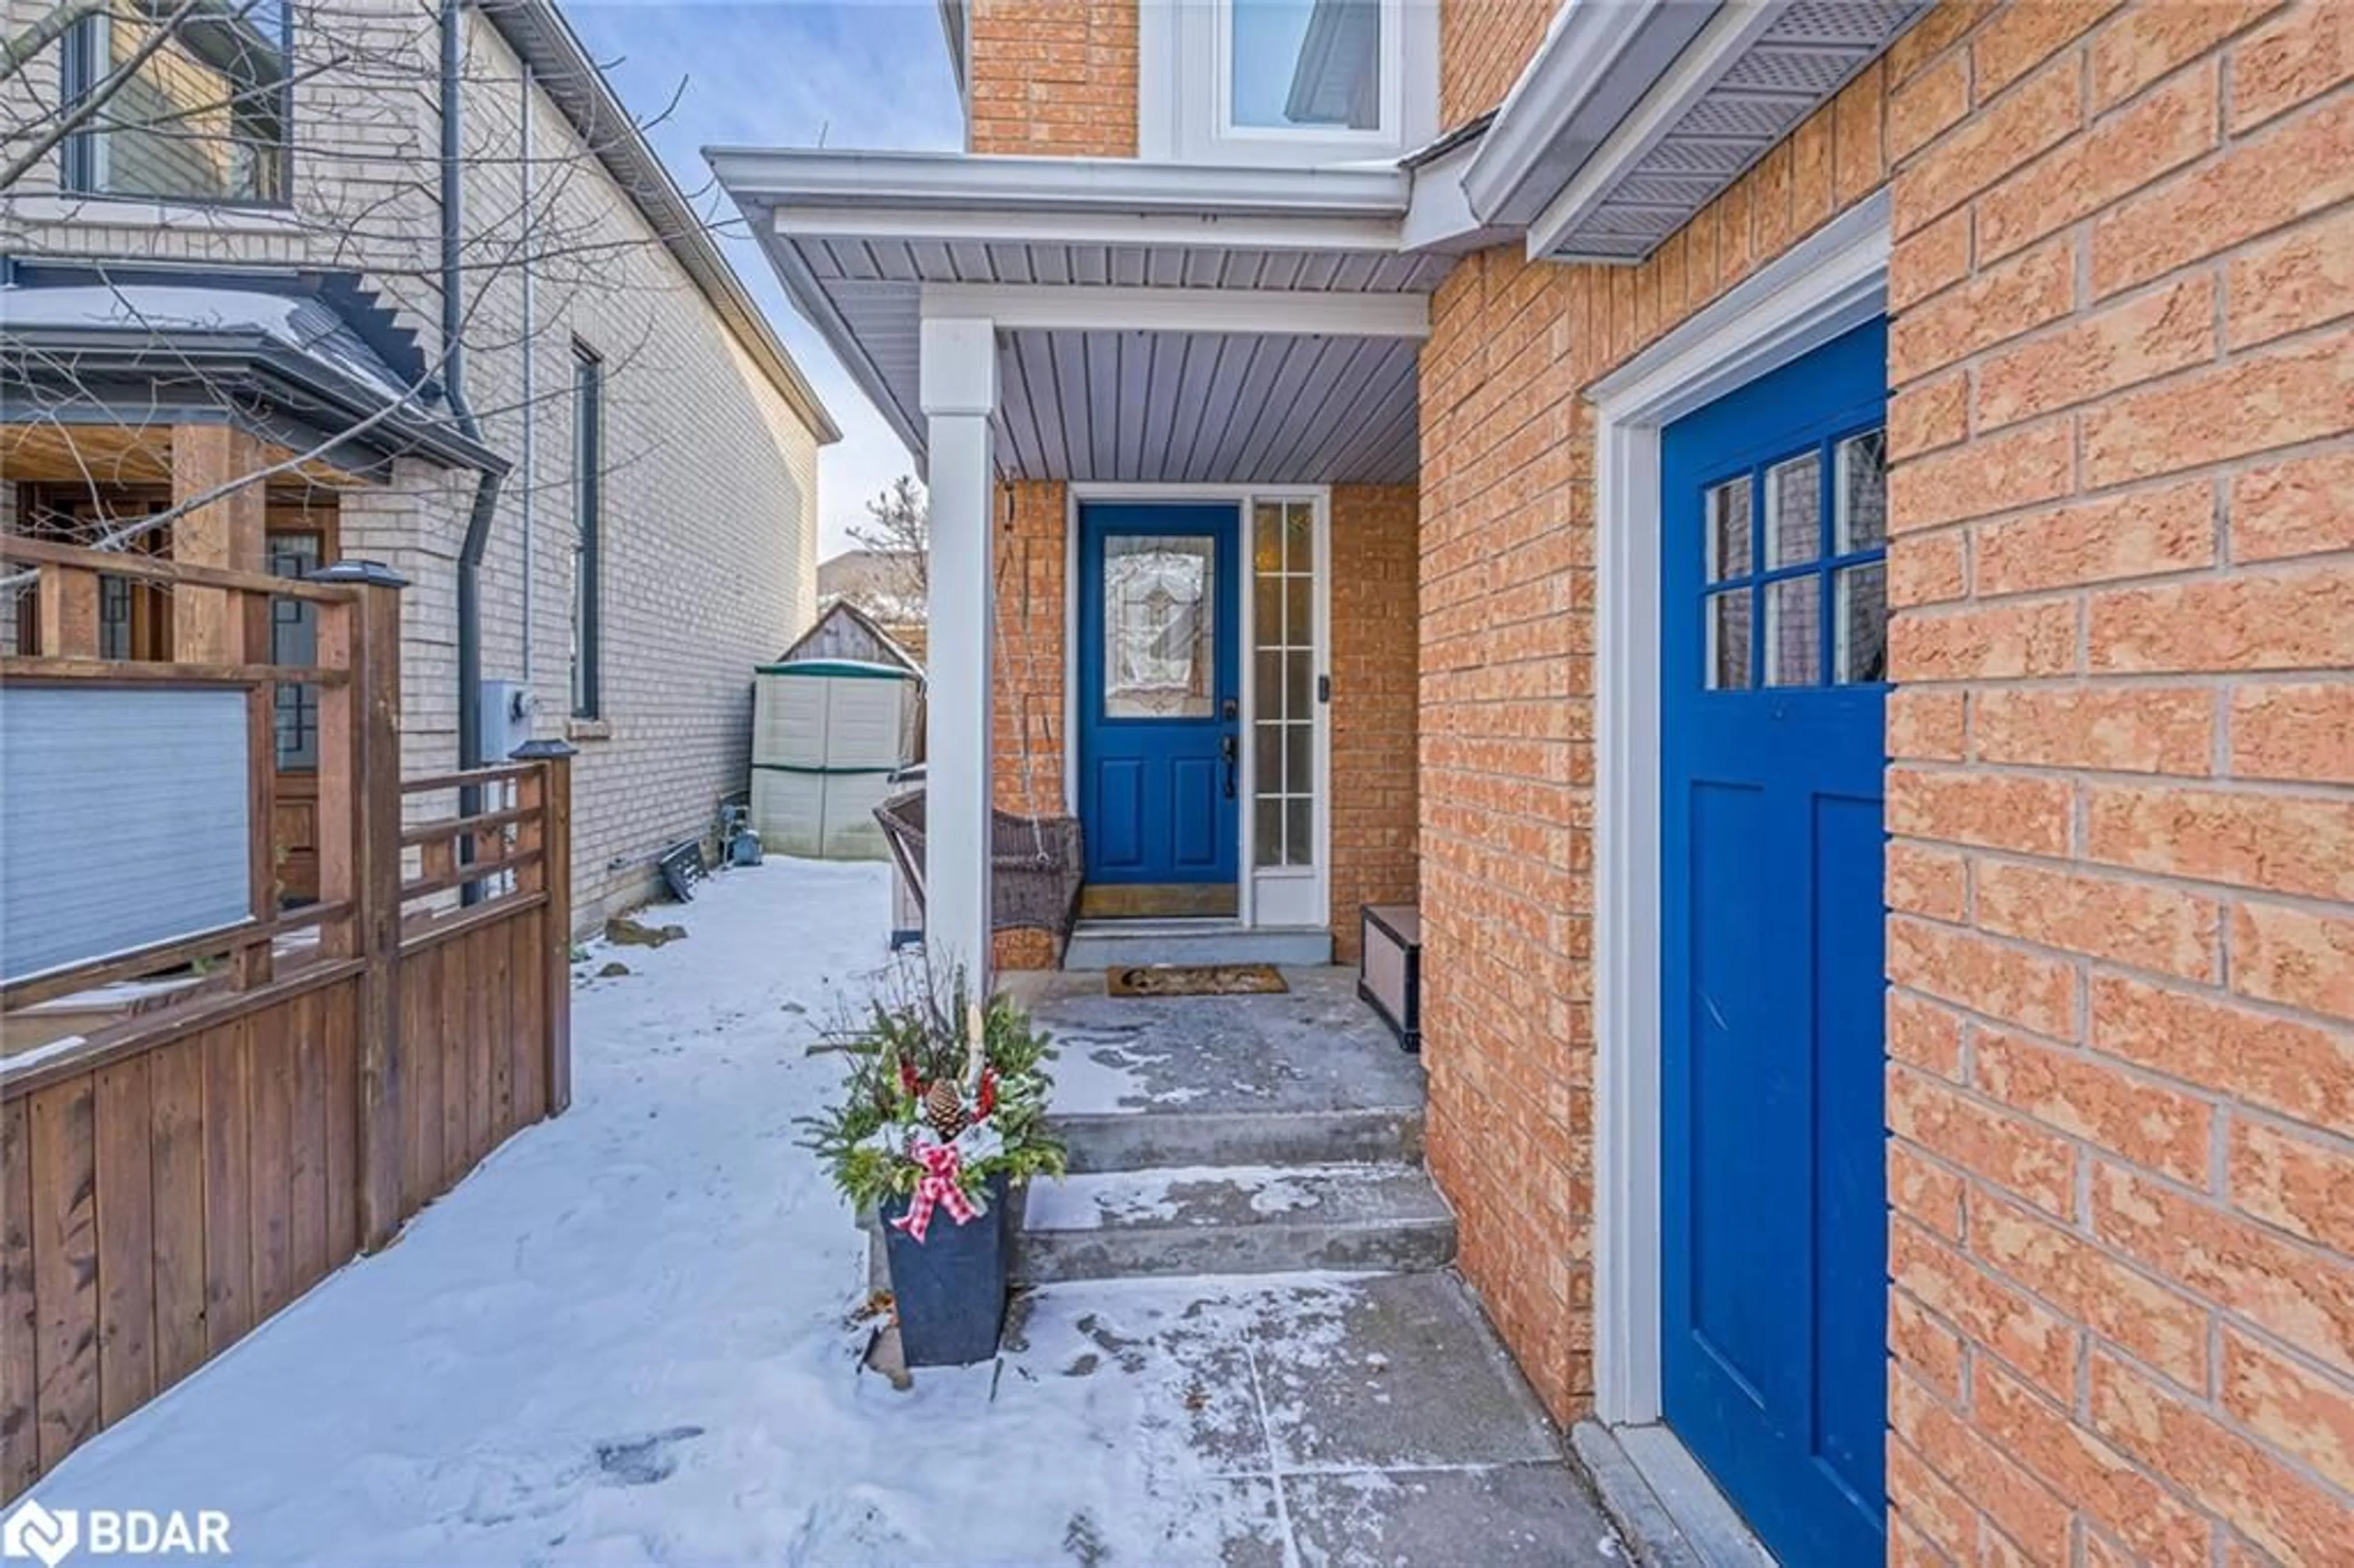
1389	977
827	736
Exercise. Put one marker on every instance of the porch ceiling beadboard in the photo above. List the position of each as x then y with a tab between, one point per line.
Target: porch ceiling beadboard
1193	407
856	238
1279	387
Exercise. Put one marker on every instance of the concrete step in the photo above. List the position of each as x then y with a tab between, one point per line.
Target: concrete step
1125	1140
1378	1218
1119	944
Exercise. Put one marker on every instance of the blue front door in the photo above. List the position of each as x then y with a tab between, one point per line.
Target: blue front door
1774	614
1158	693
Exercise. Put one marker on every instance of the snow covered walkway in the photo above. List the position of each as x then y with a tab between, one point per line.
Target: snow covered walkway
622	1340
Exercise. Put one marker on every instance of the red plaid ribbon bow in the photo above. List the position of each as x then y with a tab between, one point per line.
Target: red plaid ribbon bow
938	1185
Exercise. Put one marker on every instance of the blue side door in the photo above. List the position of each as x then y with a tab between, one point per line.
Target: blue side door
1158	692
1774	615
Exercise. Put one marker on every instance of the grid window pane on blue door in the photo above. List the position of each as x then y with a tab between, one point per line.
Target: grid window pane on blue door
1728	531
1801	598
1794	510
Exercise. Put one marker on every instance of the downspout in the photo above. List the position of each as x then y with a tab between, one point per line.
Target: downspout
453	381
530	347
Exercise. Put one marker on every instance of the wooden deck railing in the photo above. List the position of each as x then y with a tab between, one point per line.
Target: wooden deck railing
179	1173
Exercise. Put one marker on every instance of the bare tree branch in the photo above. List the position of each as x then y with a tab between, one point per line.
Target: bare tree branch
23	47
87	106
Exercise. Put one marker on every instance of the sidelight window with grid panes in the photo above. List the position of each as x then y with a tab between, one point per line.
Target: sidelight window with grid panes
1283	682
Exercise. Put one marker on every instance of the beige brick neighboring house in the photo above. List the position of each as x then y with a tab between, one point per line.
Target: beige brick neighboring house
1879	786
575	249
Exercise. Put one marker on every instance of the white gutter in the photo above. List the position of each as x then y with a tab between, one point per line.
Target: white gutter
1718	48
1597	57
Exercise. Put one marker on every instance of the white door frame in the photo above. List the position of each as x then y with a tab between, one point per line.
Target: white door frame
1832	281
1246	766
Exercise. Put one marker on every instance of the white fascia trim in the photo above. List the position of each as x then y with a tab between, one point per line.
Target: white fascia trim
1697	70
1582	43
1241	231
1078	307
1012	184
1834	281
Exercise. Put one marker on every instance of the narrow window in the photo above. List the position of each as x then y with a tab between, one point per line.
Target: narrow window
205	116
1312	65
1283	636
588	526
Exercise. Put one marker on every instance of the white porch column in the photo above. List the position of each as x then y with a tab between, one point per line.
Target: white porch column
960	395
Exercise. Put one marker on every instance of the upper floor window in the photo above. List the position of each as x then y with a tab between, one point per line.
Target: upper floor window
1296	82
1305	65
193	110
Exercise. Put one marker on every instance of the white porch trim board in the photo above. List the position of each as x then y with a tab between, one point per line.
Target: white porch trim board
1830	282
1116	307
960	396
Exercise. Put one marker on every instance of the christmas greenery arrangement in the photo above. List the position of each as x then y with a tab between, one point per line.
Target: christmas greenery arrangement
941	1095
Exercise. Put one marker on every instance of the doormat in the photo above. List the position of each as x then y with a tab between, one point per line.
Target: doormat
1193	980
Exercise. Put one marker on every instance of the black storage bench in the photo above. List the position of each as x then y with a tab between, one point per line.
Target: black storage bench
1389	976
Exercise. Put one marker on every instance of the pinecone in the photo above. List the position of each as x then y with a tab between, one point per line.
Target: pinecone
944	1108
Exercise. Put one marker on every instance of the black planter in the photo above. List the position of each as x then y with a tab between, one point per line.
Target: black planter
949	1286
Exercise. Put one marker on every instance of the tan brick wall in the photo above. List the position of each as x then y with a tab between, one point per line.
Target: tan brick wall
1375	554
2123	860
1033	552
1483	46
1052	78
1507	634
710	506
2123	877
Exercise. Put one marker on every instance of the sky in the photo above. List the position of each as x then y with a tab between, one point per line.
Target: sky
865	74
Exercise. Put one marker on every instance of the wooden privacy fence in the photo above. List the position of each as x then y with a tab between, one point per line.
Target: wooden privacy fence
179	1171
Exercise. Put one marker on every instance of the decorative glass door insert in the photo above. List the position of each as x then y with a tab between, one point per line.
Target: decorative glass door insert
1160	631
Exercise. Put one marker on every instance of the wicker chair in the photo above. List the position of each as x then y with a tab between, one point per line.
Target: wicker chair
1037	864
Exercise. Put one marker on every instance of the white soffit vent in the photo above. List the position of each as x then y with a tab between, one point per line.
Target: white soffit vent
1742	85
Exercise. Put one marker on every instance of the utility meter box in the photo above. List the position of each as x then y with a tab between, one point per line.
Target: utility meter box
506	722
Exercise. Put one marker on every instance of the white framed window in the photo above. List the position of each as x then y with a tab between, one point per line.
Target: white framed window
1285	83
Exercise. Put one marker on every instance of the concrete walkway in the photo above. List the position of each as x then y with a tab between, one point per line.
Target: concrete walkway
1314	1048
1349	1420
1366	1418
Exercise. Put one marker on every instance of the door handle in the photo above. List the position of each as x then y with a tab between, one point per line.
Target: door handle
1229	749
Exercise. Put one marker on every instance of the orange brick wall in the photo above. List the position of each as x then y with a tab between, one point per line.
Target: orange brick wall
1374	554
2123	868
1032	535
1482	46
1372	714
1052	77
1506	602
1507	605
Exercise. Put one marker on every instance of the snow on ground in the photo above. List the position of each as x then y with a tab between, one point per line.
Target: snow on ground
623	1338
